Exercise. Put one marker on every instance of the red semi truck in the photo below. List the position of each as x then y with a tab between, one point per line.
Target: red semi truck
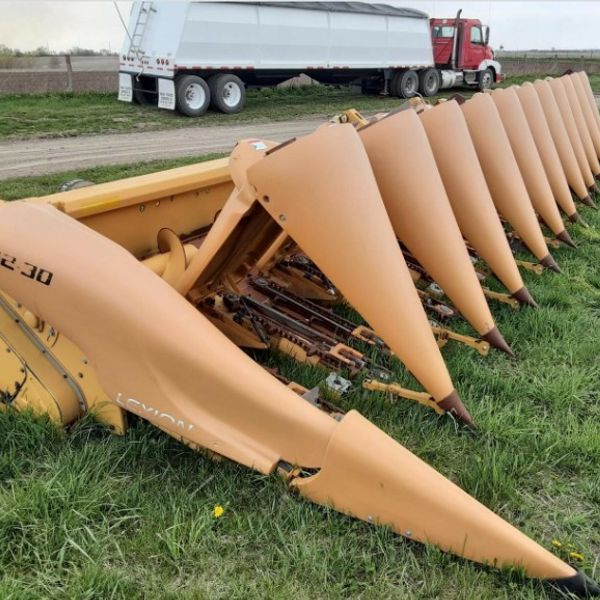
462	54
189	56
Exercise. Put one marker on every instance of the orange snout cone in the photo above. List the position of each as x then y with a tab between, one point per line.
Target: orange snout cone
322	192
590	112
422	217
536	119
561	140
529	161
503	176
468	194
156	356
566	113
582	128
589	94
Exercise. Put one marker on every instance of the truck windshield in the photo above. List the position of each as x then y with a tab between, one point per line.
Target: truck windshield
443	31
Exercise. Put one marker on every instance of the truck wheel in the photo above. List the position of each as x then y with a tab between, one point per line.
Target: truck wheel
227	93
429	82
405	84
486	79
193	95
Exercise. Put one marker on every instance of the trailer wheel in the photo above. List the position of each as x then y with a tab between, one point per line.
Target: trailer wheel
429	82
405	84
486	79
227	93
193	95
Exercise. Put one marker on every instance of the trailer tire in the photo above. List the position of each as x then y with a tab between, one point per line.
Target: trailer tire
486	80
193	95
429	82
227	93
405	84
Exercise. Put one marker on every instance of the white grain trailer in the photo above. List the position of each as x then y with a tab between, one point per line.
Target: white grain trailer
192	55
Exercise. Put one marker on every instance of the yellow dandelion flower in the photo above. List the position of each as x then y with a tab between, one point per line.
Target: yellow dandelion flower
218	511
576	556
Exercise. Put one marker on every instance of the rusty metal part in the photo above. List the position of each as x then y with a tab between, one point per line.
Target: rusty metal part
524	297
482	346
536	268
509	299
394	389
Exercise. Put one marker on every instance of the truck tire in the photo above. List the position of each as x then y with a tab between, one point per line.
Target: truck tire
405	84
193	95
227	93
429	82
486	79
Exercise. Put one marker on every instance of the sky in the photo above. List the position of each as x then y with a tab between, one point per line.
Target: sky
522	25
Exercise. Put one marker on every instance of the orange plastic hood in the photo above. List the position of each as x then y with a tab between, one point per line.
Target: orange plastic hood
502	173
566	113
529	161
468	193
561	139
582	129
420	211
154	353
588	104
157	357
534	113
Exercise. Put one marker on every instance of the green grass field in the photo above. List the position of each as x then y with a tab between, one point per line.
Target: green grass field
66	115
86	515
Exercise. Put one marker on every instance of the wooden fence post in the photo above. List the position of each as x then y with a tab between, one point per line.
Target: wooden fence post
69	73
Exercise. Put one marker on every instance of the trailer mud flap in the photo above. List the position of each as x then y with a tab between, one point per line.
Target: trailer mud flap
166	93
125	87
